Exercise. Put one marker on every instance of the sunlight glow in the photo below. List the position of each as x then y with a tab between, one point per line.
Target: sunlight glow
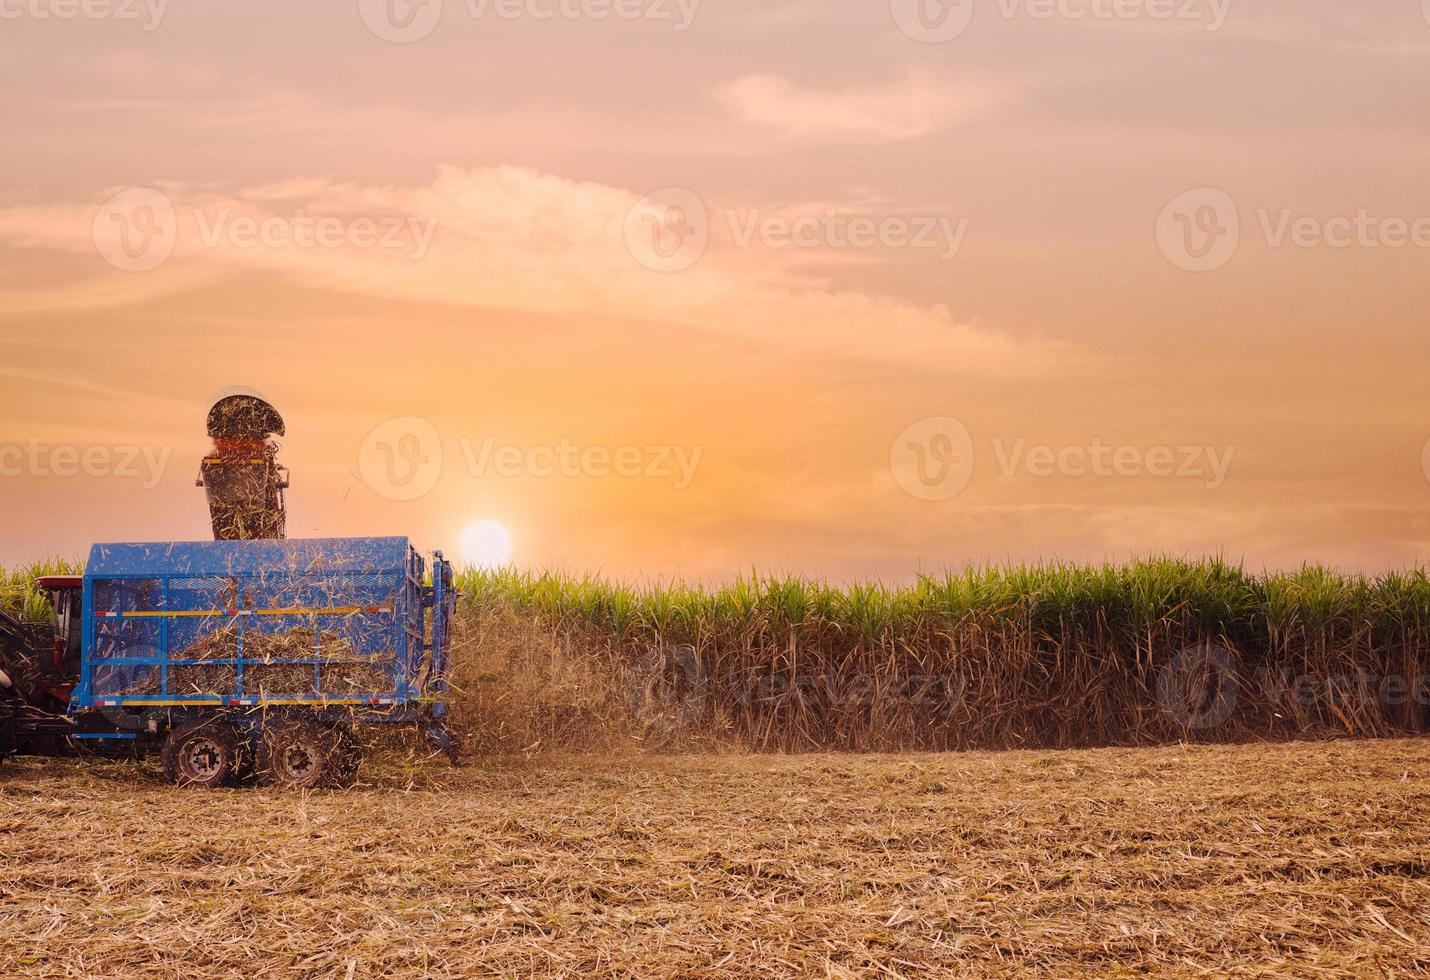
486	544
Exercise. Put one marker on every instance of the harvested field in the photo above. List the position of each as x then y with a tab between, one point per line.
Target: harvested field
1303	859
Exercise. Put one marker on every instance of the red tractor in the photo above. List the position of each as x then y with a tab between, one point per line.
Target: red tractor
39	666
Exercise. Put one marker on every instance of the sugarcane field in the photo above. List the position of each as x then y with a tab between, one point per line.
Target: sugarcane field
654	488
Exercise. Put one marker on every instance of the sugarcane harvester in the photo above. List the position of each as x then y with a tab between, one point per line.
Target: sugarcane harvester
247	656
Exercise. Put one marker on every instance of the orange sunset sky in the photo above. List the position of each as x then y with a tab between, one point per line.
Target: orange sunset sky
848	289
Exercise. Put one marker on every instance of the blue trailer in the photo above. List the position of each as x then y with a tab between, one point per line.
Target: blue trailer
260	657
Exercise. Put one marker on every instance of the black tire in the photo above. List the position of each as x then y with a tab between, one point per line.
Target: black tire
206	753
306	754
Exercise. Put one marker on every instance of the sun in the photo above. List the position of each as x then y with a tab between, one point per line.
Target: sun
485	544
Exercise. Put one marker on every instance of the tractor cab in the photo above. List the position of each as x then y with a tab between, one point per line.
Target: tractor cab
66	594
39	668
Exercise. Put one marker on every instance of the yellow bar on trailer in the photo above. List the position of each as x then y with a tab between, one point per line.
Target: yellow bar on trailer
296	611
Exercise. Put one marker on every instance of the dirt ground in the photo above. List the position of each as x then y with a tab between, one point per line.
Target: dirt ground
1303	859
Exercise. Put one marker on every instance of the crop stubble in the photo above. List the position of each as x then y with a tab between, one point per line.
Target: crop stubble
1266	859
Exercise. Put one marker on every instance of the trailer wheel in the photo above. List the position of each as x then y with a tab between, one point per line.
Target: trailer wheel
206	753
305	754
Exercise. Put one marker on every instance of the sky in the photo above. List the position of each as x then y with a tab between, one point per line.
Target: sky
685	289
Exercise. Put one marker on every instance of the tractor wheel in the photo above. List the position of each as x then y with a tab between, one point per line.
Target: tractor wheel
305	754
206	753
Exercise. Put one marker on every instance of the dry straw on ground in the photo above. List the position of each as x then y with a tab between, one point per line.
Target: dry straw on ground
1297	859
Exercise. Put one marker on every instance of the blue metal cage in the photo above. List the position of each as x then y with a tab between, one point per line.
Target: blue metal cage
244	623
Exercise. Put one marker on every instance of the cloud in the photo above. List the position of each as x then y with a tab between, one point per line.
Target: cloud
916	106
518	239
